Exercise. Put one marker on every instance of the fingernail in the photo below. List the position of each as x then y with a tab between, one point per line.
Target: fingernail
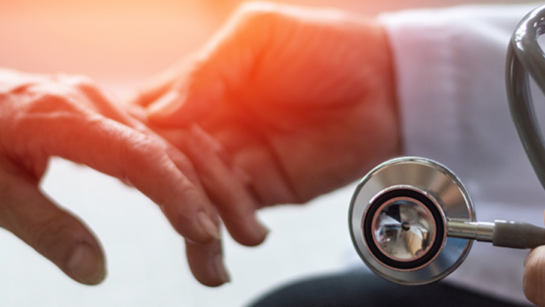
221	273
208	226
164	106
264	230
86	265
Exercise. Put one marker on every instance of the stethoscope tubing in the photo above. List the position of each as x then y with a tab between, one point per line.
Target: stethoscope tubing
525	57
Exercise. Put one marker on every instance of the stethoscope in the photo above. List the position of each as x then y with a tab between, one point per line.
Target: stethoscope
411	219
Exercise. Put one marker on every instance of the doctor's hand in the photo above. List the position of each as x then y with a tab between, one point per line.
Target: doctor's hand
292	102
67	116
534	276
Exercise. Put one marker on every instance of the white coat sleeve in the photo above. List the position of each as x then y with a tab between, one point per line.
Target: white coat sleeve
450	67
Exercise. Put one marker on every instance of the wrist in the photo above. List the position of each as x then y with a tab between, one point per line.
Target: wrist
380	61
391	99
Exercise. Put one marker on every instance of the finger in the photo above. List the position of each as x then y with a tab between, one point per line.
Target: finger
120	151
222	67
534	276
190	99
100	102
159	84
228	193
151	169
53	232
251	151
106	107
206	263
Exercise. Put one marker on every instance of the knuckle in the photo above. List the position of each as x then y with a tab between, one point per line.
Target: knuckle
85	85
51	98
82	80
73	80
81	87
143	149
258	13
252	7
145	152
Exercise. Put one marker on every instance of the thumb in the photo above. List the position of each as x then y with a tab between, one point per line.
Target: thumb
50	230
534	276
191	98
222	67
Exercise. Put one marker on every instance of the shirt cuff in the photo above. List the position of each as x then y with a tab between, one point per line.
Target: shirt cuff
438	56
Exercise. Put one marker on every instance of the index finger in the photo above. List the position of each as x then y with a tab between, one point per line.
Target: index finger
155	171
120	151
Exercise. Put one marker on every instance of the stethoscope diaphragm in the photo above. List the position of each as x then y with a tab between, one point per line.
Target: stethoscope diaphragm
398	220
412	222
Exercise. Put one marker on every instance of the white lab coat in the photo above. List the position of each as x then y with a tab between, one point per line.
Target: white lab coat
450	67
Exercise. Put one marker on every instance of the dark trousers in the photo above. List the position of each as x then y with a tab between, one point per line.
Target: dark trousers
360	288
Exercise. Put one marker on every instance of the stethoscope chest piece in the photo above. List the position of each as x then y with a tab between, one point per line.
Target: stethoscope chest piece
411	220
398	220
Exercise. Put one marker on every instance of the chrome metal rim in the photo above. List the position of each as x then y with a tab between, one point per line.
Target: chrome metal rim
440	186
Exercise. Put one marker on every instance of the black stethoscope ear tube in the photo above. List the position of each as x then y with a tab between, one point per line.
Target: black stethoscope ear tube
517	235
401	248
524	55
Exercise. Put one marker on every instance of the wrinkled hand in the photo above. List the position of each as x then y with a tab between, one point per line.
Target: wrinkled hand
43	116
300	101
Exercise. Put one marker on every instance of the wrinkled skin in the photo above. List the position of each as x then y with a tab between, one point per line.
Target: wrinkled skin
296	102
293	103
68	116
285	104
282	105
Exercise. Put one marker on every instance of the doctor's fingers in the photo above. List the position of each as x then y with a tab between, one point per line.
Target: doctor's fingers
51	231
534	276
227	188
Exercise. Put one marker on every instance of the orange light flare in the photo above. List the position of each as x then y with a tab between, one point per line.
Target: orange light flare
113	42
101	37
118	40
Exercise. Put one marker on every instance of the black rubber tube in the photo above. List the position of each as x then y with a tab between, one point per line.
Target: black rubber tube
517	235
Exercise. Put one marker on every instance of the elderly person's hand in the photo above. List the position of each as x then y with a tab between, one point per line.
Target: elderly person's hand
300	101
44	116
